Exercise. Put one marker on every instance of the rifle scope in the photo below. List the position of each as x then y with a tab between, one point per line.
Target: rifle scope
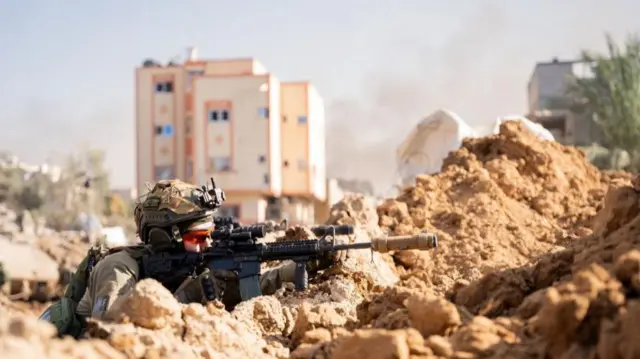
224	221
320	231
239	233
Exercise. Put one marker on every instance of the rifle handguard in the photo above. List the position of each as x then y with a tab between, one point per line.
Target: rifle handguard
422	241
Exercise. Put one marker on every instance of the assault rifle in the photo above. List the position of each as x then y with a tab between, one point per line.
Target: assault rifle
237	250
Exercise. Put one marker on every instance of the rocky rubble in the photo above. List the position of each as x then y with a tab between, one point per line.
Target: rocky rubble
38	266
151	323
498	202
539	258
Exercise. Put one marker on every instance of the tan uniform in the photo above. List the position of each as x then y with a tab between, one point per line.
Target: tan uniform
115	276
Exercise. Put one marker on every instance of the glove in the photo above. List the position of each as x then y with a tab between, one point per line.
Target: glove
199	289
330	258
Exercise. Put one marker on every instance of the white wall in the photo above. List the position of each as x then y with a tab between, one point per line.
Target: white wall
250	134
317	144
275	145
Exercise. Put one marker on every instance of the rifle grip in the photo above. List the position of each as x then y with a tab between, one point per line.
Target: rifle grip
208	288
301	276
422	241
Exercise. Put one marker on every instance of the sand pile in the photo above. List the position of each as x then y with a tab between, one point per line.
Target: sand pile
498	202
615	233
355	210
531	265
66	248
585	306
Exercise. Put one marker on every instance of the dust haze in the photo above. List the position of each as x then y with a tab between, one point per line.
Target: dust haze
49	133
481	72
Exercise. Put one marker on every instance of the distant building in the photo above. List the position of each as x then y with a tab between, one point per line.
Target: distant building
550	106
262	140
11	161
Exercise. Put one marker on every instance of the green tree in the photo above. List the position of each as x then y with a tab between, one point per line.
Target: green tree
612	95
71	195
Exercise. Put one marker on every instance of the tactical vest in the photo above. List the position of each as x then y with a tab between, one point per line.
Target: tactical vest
62	313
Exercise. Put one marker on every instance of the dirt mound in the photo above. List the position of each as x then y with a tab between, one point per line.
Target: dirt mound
534	262
499	202
355	210
591	315
615	232
68	249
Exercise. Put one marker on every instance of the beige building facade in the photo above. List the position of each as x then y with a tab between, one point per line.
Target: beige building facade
262	140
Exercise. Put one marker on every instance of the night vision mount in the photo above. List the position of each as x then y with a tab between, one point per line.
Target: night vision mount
212	198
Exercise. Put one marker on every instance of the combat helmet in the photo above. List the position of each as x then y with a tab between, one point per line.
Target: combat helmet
172	209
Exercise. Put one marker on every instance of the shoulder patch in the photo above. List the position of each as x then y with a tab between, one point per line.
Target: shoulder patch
46	316
100	304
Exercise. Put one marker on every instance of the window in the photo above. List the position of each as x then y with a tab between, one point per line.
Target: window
266	178
164	87
302	120
262	159
221	164
189	169
263	112
164	130
229	211
164	173
219	115
302	164
286	163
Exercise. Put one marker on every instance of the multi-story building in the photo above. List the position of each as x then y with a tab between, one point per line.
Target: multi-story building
550	105
262	140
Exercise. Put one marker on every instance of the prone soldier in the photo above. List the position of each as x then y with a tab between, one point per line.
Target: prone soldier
175	220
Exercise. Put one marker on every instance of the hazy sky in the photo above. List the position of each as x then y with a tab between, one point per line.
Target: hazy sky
67	66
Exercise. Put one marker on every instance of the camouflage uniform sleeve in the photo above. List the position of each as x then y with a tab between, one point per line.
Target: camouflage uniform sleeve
112	280
271	280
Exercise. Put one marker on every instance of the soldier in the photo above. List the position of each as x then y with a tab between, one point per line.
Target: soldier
104	279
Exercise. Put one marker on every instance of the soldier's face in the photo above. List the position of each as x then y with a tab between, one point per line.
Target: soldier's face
196	241
196	247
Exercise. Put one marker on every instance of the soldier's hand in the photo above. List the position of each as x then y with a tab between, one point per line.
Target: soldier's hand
198	289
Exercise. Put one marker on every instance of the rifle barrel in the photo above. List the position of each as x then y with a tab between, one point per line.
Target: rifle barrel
359	245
